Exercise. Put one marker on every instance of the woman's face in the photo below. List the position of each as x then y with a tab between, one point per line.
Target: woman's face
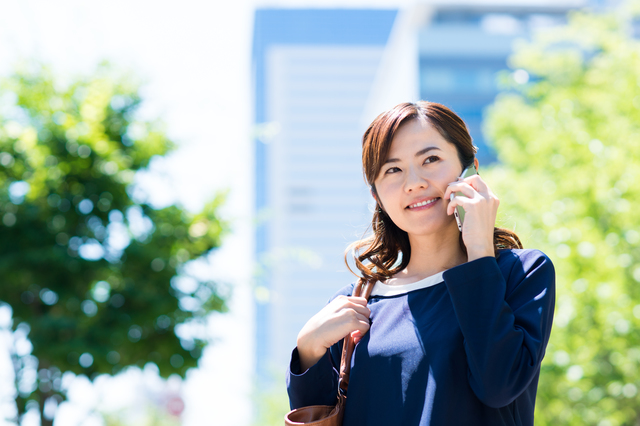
413	180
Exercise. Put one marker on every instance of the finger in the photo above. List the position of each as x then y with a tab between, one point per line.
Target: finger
352	315
460	184
353	319
478	184
359	300
357	336
457	202
342	302
364	310
481	192
363	320
462	187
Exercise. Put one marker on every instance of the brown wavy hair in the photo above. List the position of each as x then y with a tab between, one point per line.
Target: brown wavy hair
387	251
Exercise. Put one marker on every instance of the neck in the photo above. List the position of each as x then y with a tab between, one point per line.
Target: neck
435	253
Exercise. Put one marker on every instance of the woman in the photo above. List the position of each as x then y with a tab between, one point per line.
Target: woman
458	321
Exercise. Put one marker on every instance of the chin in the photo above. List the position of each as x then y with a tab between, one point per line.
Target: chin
432	229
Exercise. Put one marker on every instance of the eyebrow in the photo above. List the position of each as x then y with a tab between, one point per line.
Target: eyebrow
418	154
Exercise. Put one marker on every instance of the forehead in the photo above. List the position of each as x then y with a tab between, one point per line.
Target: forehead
416	135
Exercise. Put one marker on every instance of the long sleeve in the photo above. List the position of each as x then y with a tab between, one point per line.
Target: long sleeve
316	386
505	322
319	384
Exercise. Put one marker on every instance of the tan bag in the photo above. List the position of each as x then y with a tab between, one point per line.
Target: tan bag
327	415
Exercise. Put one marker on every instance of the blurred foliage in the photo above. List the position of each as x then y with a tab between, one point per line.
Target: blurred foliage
568	139
152	417
92	273
271	404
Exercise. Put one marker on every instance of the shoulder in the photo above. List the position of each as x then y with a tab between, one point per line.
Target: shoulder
531	265
344	291
527	258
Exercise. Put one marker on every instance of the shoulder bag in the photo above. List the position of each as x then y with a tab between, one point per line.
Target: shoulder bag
327	415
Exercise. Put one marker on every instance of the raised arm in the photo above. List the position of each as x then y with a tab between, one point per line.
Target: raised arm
506	323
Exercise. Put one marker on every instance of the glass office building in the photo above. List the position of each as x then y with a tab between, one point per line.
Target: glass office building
313	71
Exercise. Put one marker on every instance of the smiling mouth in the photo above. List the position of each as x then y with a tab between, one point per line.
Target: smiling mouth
422	203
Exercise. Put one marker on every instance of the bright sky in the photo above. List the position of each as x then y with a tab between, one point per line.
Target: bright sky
195	56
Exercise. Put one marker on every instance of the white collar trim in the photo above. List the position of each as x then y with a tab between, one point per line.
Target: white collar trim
382	289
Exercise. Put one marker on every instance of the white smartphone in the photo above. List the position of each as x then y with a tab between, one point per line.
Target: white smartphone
459	211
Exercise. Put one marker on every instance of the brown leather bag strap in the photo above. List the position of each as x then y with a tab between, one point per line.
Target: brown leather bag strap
361	289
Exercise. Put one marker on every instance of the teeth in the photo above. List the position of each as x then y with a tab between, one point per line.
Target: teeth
424	203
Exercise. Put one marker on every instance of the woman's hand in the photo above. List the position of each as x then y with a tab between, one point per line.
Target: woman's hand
480	206
343	315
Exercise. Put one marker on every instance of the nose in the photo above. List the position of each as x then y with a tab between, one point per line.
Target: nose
414	180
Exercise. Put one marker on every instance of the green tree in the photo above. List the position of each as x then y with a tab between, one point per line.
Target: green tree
94	275
568	142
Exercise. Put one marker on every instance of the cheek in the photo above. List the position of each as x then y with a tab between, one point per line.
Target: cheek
386	194
447	175
444	179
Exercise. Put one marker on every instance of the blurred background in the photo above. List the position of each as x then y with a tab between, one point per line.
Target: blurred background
178	185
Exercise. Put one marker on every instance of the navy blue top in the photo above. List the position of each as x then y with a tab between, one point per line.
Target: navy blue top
462	347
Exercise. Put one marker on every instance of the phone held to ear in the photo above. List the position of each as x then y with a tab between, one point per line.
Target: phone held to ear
459	211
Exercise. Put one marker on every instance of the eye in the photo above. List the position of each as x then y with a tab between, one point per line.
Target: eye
392	170
431	159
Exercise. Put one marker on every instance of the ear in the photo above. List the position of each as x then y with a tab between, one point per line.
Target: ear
475	162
